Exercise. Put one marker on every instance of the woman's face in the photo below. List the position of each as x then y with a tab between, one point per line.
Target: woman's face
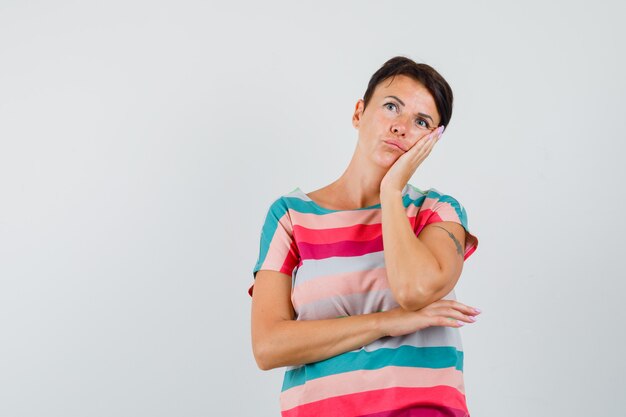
396	117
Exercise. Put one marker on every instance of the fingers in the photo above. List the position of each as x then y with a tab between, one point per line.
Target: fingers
427	142
455	318
456	305
451	313
434	135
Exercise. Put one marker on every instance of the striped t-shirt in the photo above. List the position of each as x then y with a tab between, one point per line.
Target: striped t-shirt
335	259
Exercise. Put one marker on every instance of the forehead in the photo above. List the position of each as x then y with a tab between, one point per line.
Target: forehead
402	84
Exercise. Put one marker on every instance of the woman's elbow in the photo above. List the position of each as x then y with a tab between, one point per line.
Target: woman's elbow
263	355
411	299
262	365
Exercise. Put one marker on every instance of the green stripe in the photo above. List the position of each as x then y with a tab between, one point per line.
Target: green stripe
460	210
406	199
276	211
445	198
416	357
307	207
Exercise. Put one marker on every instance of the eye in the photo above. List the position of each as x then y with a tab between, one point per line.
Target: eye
422	123
386	105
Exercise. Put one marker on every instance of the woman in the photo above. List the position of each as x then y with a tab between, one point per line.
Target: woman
353	288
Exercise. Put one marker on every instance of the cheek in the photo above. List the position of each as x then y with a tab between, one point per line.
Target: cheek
380	122
376	125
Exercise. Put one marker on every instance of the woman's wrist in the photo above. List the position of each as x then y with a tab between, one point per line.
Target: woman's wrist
381	320
389	194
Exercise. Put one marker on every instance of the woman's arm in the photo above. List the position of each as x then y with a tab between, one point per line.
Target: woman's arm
420	269
279	340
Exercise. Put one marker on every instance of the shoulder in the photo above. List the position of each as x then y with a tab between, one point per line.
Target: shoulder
437	205
430	197
288	207
287	200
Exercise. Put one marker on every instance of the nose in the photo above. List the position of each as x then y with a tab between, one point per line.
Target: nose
399	127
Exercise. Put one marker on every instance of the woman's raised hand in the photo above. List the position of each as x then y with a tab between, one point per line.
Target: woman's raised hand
398	321
405	166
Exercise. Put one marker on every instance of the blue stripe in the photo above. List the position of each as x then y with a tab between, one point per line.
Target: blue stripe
411	356
277	210
460	210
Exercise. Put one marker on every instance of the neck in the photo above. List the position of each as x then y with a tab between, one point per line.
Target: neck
360	182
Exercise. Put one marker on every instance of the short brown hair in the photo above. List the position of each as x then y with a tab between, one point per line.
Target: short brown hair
436	85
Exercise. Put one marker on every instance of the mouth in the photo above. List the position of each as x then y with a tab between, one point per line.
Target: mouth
394	144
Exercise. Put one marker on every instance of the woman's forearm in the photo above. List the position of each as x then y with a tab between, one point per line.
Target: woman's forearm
411	267
296	342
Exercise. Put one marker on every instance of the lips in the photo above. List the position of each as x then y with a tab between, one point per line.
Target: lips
395	144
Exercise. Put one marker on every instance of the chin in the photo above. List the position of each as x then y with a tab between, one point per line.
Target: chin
385	160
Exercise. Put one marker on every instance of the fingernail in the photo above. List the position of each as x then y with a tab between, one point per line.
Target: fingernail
478	310
472	318
461	323
442	129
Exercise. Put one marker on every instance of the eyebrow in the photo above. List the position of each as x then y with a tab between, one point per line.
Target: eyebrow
419	114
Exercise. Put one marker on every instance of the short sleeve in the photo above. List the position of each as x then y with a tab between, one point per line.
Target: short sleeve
277	250
438	207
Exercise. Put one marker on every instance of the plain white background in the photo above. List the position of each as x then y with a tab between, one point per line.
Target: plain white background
142	143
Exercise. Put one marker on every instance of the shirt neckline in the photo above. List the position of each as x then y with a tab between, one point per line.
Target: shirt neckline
374	206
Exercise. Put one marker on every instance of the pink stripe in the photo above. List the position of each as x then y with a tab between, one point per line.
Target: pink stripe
368	380
339	285
423	218
471	241
421	411
341	218
469	250
358	232
282	254
335	220
427	205
447	212
369	402
345	249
